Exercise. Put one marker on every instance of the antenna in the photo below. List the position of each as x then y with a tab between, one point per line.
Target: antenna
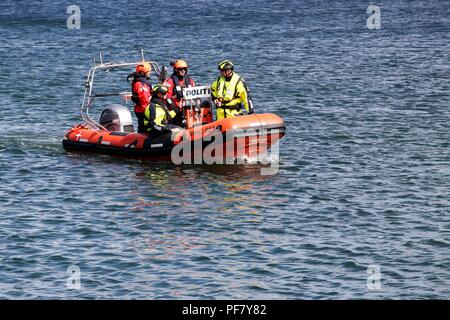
101	57
142	54
93	60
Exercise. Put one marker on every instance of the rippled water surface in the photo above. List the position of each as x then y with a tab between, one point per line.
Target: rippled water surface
364	173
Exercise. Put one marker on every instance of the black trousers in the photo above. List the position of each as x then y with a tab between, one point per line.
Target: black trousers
140	119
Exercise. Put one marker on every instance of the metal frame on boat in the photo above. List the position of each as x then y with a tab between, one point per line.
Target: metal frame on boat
89	97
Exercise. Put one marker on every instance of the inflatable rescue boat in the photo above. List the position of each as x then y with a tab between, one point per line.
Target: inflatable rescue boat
201	140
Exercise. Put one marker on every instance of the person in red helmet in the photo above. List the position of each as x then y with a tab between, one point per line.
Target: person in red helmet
175	84
141	90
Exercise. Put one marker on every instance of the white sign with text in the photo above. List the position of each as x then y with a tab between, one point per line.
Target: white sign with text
197	92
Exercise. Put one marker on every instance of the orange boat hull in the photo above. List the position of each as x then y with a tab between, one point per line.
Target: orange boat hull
216	142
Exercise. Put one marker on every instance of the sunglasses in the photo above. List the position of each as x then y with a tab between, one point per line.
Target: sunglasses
181	69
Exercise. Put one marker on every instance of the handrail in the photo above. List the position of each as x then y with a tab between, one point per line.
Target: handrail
88	97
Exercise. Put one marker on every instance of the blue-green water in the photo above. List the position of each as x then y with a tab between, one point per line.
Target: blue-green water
364	173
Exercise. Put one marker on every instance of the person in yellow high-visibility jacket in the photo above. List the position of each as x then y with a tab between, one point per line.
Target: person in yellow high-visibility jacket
229	92
157	117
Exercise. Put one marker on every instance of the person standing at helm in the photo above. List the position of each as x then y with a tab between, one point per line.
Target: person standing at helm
229	92
175	84
141	90
157	116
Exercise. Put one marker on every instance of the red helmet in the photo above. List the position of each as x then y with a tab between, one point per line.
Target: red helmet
143	67
178	64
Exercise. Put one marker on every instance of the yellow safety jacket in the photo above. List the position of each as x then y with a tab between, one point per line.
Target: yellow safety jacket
233	95
157	116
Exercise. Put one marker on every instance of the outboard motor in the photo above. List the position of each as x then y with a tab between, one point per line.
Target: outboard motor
117	118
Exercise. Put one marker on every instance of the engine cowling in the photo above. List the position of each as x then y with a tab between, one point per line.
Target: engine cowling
117	118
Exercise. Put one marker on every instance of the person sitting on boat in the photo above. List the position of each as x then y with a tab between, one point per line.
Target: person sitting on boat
157	117
175	84
141	90
229	92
